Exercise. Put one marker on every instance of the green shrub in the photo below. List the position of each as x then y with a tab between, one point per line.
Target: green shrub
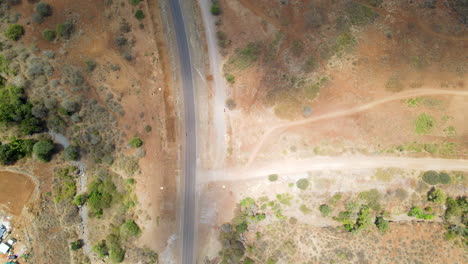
44	9
15	150
43	150
372	198
101	249
76	244
381	224
215	9
116	254
230	78
80	199
136	142
71	153
65	30
360	15
302	184
135	2
245	57
101	194
129	228
248	261
139	14
325	210
444	178
273	177
419	213
90	65
148	128
14	32
431	177
49	34
436	196
231	104
424	124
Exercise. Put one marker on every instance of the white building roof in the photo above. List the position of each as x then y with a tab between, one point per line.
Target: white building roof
4	248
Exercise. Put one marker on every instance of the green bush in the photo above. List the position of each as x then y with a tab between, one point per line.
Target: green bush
76	244
148	128
360	15
325	210
436	196
273	177
424	124
101	194
15	150
80	199
136	142
302	184
101	249
419	213
381	224
230	78
444	178
49	34
231	104
44	9
43	150
431	177
129	228
71	153
116	254
64	187
139	14
215	9
65	30
135	2
14	32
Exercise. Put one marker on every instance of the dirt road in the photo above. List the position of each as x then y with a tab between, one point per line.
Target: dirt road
280	128
262	170
219	85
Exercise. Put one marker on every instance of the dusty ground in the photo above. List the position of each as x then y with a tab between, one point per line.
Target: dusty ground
320	80
16	189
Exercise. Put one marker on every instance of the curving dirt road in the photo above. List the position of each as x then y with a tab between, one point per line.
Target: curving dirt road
261	170
403	95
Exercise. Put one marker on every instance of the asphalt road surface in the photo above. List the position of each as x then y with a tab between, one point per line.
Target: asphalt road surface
189	181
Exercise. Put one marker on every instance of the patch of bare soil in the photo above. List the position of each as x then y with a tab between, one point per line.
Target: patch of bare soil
15	191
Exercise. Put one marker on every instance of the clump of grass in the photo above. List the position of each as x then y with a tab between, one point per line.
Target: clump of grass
302	184
64	188
230	78
273	177
311	91
424	124
245	57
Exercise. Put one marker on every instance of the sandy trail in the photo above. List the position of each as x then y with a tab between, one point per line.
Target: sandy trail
280	128
263	169
219	85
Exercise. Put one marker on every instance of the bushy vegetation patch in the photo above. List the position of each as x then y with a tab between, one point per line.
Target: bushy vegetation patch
15	150
65	30
424	124
44	9
434	177
325	210
436	195
302	184
360	15
245	57
273	177
419	213
136	142
129	228
215	9
139	14
71	153
101	194
49	34
65	184
381	224
78	244
43	150
14	32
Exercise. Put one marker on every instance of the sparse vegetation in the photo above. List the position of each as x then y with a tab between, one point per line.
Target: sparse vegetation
360	15
65	30
436	195
230	78
245	57
44	9
14	32
231	104
64	184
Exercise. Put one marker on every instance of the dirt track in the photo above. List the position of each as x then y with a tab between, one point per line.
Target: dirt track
280	128
263	169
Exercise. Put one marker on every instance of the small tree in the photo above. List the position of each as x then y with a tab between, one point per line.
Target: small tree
101	249
49	34
431	177
381	224
14	32
44	9
129	228
325	210
43	150
215	9
80	199
71	153
136	142
436	195
139	14
77	244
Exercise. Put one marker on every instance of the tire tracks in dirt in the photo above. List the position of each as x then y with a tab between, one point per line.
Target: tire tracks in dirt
340	113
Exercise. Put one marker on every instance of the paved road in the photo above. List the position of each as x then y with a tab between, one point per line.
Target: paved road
189	181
